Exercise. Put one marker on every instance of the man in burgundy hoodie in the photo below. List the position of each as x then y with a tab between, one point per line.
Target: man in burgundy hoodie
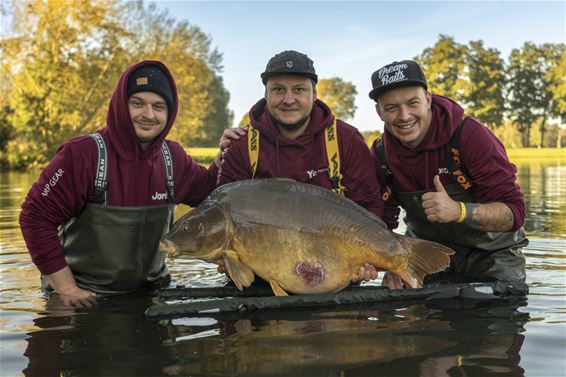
450	174
290	123
113	193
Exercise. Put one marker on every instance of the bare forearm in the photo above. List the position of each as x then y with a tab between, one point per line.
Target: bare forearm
62	280
489	217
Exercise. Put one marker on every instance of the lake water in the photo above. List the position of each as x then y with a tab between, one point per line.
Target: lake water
509	337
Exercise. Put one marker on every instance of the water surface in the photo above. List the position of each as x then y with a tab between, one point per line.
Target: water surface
513	337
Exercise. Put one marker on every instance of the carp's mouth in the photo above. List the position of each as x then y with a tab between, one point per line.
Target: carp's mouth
165	246
202	233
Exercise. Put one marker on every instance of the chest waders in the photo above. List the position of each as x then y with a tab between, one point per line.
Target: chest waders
480	255
113	249
332	155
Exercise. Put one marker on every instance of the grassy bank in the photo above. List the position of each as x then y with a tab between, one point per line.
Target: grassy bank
203	155
535	154
207	155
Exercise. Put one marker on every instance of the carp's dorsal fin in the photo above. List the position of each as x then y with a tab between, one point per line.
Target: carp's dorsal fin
241	275
277	290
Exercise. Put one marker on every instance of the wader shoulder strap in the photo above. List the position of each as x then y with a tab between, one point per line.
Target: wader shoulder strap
333	155
453	162
389	183
100	178
253	149
169	170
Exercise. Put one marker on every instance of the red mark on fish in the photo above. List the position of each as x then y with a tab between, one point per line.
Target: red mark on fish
312	275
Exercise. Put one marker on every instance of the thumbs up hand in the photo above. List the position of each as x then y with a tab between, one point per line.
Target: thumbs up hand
438	206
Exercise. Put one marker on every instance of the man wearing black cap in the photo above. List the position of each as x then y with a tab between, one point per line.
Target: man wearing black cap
294	135
114	193
450	174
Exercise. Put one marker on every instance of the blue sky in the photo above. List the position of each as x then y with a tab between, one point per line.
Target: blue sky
353	39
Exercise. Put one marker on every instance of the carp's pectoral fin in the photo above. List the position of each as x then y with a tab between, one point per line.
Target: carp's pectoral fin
241	275
277	290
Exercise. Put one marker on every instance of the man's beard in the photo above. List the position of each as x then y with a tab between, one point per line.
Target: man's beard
292	126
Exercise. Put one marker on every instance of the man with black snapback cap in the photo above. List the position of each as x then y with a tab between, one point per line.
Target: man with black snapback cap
113	192
292	134
450	174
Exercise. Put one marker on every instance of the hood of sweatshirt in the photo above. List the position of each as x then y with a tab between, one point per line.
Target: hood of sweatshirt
260	118
119	124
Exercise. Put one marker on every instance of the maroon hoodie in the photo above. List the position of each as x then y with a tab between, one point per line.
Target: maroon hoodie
304	159
483	156
136	177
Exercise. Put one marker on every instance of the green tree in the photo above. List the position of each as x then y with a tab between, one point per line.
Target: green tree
218	119
245	120
483	93
63	59
339	95
370	136
444	65
551	55
557	86
530	92
57	73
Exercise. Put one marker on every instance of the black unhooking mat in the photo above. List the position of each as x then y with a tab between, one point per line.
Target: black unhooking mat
207	300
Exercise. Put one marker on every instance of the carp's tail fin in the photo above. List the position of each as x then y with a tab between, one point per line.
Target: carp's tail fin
426	257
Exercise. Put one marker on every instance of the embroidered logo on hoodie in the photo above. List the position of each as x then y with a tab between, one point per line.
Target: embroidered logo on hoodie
159	196
52	182
314	173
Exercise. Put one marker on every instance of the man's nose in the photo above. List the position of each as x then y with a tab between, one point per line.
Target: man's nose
404	113
148	111
289	97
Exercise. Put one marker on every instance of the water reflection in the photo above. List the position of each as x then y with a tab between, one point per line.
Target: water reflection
544	185
395	339
111	339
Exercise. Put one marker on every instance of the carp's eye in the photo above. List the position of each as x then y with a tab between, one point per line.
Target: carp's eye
185	227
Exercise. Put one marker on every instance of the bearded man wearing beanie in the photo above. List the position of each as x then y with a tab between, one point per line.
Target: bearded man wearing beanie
112	193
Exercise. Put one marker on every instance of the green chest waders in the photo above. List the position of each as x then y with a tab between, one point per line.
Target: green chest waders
112	249
479	255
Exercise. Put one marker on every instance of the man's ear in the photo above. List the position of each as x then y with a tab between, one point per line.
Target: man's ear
377	110
428	97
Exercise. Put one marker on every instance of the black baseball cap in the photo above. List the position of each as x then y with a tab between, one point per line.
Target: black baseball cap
289	62
396	75
151	78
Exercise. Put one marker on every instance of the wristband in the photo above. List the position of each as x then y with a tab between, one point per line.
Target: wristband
462	213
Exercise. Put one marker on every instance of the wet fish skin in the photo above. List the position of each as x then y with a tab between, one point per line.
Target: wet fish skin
300	238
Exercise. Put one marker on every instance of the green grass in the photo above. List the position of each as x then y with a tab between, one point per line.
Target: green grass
203	155
207	155
534	154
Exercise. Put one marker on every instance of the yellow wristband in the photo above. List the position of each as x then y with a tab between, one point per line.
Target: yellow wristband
459	360
462	213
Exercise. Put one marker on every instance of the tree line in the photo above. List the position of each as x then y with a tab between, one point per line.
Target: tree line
61	60
514	98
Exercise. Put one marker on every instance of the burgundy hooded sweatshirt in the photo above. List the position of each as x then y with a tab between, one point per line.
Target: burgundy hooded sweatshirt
136	177
483	158
304	159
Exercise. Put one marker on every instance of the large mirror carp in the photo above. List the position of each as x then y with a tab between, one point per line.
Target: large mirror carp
300	238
